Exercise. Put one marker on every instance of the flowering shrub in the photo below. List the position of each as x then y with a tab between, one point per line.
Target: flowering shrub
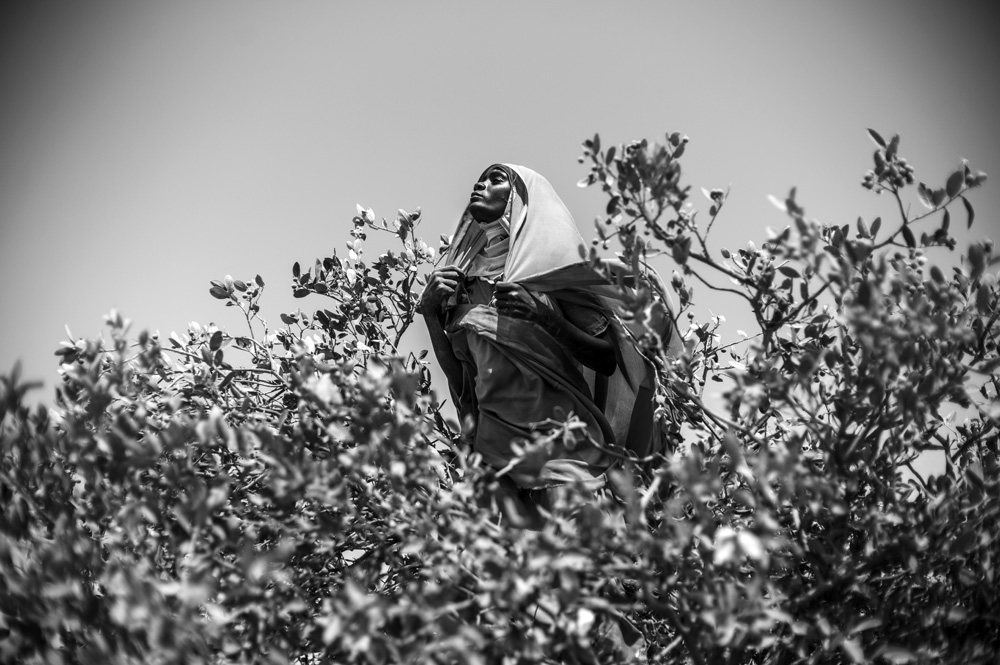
294	494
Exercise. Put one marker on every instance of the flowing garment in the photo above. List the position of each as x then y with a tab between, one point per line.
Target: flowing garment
516	378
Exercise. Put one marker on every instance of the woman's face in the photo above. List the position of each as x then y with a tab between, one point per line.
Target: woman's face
489	196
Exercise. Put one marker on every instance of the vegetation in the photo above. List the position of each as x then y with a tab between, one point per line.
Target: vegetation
294	494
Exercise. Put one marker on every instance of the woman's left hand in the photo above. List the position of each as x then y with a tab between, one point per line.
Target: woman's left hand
514	300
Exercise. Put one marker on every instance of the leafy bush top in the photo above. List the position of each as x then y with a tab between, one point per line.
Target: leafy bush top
295	494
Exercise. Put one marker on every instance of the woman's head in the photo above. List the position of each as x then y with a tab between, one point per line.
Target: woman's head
491	194
543	235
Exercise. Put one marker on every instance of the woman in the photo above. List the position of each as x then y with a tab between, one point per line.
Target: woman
526	333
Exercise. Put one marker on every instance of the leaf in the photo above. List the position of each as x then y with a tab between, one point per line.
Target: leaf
862	228
945	221
908	237
983	299
219	292
777	203
867	624
893	147
611	155
259	280
876	225
240	285
969	210
977	260
876	137
296	270
924	193
937	275
789	271
680	250
403	220
955	182
938	196
853	650
898	655
751	545
216	341
864	297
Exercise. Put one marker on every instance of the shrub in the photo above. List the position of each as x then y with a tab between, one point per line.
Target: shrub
295	494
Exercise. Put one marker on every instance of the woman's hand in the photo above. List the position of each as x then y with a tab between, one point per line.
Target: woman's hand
440	284
514	300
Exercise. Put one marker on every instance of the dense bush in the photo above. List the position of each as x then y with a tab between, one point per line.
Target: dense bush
294	494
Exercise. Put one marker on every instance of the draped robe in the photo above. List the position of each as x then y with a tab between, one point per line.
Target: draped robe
515	376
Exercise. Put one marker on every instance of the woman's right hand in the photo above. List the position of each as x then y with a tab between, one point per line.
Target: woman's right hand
440	284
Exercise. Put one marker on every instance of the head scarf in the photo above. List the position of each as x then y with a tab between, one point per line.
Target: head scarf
543	234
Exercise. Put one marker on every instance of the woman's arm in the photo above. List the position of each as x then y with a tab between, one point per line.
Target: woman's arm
441	284
597	353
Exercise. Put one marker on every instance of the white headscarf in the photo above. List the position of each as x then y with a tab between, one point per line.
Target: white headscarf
543	234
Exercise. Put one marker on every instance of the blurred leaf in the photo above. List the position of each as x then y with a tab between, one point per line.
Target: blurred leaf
908	236
983	299
977	260
852	648
898	655
925	195
969	210
955	182
681	249
879	141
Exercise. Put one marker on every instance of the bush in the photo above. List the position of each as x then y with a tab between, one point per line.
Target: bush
296	495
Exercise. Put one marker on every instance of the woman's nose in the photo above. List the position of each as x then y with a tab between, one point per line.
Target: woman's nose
479	186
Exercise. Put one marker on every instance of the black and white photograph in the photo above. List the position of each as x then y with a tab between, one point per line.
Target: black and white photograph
515	332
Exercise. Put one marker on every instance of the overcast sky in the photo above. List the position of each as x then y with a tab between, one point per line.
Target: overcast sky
148	148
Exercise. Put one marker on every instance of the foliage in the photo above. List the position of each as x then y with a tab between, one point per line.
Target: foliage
295	494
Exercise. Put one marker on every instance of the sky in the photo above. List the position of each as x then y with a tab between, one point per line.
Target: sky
148	148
